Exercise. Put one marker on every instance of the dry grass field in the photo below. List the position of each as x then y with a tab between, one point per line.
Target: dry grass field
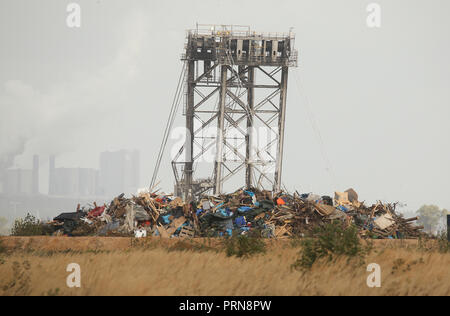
118	266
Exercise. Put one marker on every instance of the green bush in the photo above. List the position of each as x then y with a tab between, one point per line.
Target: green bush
28	226
443	243
329	241
437	243
244	245
2	248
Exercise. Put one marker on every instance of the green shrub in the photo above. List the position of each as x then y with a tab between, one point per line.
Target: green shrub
244	245
425	243
2	248
28	226
329	241
434	244
443	243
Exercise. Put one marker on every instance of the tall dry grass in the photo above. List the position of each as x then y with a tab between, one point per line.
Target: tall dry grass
153	270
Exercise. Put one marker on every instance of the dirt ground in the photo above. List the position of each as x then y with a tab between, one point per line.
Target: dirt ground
122	266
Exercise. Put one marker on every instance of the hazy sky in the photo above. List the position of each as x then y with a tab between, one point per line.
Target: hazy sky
370	109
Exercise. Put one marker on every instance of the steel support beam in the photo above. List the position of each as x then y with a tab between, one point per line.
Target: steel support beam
281	125
448	227
249	137
189	145
220	132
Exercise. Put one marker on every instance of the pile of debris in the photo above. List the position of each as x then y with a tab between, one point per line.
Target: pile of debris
271	215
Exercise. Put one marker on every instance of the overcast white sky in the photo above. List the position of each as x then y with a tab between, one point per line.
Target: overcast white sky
379	97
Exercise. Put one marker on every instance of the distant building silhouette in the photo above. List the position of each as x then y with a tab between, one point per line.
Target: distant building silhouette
35	175
119	172
72	182
22	181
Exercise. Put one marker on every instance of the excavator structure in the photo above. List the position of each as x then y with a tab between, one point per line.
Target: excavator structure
234	83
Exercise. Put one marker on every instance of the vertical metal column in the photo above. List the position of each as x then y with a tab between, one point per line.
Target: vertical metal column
448	227
281	125
249	136
220	132
188	166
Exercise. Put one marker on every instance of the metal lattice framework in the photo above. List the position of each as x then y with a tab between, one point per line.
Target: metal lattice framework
235	108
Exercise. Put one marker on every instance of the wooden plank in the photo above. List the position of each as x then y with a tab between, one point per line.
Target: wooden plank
324	210
163	232
176	223
187	232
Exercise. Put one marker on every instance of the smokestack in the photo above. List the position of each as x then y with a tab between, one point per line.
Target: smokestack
35	189
51	175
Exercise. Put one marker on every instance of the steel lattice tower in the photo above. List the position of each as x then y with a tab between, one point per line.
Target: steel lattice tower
236	82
